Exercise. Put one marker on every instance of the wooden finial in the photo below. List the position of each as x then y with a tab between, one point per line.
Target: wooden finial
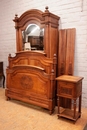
46	9
16	16
9	55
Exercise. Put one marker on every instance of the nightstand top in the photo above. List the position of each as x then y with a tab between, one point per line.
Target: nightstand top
69	78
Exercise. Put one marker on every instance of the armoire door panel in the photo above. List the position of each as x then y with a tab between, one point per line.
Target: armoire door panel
62	52
69	69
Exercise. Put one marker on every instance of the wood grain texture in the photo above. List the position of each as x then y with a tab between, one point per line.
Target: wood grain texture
66	56
62	52
70	49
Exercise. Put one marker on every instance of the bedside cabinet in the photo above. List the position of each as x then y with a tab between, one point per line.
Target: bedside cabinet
69	87
2	73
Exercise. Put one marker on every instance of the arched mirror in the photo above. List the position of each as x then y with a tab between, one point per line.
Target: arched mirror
33	37
37	30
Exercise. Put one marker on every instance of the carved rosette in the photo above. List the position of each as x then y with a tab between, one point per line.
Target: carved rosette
26	82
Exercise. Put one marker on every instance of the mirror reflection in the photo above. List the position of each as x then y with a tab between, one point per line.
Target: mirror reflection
33	37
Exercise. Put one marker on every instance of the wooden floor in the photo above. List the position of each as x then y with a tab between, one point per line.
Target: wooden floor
16	115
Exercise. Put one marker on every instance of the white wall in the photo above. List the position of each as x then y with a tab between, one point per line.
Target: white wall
72	13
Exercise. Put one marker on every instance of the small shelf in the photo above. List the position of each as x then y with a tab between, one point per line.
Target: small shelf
69	114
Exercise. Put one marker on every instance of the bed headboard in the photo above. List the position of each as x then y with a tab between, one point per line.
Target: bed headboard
34	58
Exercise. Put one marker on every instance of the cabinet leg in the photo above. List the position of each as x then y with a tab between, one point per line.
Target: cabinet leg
58	105
80	104
3	81
58	116
79	116
7	98
51	112
74	109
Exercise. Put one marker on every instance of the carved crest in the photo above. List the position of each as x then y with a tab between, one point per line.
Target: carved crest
26	82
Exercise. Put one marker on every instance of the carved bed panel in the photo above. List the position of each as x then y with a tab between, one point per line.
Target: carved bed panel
31	84
31	78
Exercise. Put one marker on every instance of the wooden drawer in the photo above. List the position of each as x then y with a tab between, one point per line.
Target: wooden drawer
66	89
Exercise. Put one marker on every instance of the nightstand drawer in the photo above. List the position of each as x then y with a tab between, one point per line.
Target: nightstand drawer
65	89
